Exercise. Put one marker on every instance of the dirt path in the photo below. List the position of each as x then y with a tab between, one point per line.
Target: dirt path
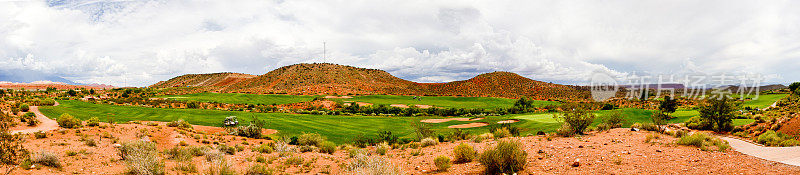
787	155
46	124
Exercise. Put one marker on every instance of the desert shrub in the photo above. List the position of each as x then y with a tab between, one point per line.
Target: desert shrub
649	127
703	141
382	148
614	119
283	148
187	167
362	141
480	138
464	153
11	144
251	131
373	165
442	162
507	157
219	167
258	169
312	139
213	154
47	159
89	141
181	124
772	138
294	160
650	137
226	149
387	136
24	107
307	148
94	121
679	133
355	152
263	148
141	157
576	118
565	130
39	135
68	121
135	147
501	133
179	153
698	123
429	142
603	127
327	147
29	118
197	150
71	153
719	112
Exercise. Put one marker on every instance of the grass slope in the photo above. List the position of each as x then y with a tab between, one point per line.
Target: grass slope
764	101
443	101
236	98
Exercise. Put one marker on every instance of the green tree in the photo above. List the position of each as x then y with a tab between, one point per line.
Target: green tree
668	105
794	86
719	111
523	103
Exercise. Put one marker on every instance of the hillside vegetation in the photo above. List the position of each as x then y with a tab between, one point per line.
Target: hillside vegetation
332	79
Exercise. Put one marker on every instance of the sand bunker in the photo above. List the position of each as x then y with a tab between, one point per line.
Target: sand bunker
448	119
469	125
508	121
406	106
399	105
359	104
330	96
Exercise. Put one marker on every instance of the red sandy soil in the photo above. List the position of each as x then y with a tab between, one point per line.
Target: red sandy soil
469	125
508	121
448	119
619	151
791	127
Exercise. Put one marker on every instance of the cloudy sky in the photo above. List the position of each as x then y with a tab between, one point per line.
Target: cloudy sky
138	43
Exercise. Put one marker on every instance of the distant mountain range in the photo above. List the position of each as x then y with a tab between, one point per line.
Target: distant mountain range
16	78
325	78
28	76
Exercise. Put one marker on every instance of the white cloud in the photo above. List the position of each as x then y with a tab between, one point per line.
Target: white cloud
142	42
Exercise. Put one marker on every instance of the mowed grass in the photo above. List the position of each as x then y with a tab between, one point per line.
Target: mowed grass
764	100
442	101
237	98
339	129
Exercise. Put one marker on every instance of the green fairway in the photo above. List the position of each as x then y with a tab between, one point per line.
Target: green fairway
740	122
339	129
764	101
236	98
442	101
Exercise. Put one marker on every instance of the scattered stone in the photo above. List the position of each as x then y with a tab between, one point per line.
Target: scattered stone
540	151
576	163
658	150
580	146
634	129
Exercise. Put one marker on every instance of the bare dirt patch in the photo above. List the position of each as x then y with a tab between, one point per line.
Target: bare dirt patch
424	106
448	119
508	121
469	125
359	104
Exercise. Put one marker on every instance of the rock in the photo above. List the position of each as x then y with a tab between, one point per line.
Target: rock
577	163
634	129
540	151
658	150
117	145
580	146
